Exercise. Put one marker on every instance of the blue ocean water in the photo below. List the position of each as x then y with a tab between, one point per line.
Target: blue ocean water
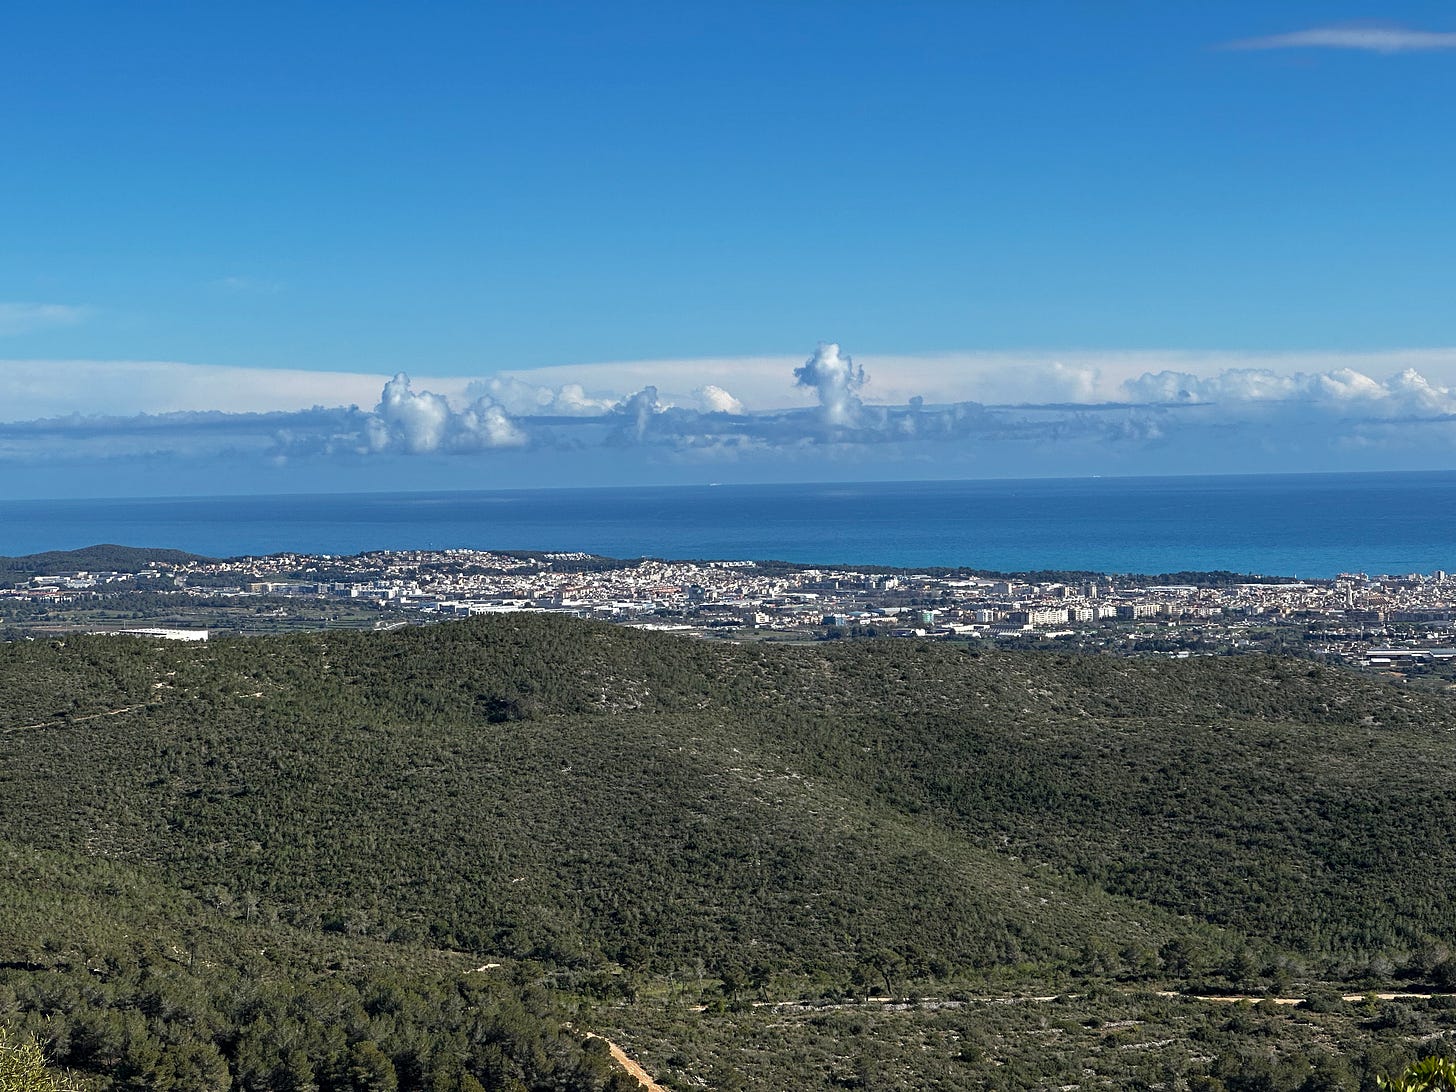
1298	525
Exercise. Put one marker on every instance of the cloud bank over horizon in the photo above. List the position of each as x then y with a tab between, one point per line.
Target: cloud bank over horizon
1089	418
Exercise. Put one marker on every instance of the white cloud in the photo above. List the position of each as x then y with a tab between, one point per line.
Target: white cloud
28	318
1343	391
422	422
712	398
415	421
571	400
1125	409
521	398
1372	39
31	389
1028	376
836	379
758	381
638	412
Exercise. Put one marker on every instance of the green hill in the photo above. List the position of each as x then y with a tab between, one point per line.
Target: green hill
540	787
533	788
108	558
583	796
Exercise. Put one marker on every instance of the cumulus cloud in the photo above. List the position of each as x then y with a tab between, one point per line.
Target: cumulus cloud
638	410
421	422
572	400
1371	39
757	381
414	421
714	399
484	425
836	379
28	318
516	396
521	398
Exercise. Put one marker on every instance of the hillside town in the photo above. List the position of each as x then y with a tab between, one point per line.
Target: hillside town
1391	621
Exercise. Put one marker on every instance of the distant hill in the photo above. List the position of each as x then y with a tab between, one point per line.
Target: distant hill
103	558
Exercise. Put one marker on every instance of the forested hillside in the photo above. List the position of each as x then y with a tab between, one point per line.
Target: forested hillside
574	800
103	558
141	986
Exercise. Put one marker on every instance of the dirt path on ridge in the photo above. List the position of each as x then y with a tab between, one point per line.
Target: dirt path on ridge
635	1071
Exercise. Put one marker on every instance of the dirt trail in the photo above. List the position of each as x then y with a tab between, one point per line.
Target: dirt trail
807	1005
1234	998
65	721
635	1071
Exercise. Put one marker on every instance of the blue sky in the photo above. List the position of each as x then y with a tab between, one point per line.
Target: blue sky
240	220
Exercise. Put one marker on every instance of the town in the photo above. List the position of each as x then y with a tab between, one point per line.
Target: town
1399	623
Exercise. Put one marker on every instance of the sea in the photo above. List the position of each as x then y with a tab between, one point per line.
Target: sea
1304	525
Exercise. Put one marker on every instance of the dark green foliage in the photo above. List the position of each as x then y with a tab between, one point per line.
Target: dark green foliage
123	978
871	817
106	558
542	788
531	788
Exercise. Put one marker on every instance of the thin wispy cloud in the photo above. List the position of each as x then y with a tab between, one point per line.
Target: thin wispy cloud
28	318
1370	39
31	389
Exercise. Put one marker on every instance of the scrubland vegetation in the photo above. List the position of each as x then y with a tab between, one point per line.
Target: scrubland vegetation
279	863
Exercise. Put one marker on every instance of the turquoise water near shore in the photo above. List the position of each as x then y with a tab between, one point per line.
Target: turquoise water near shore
1300	525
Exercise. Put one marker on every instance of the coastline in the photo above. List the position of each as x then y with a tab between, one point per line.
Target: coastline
1308	526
